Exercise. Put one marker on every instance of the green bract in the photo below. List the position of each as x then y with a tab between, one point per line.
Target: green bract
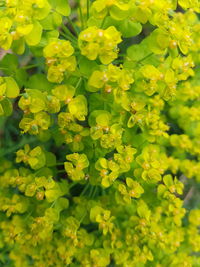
99	133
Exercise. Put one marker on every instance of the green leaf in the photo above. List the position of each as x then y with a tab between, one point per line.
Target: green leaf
6	107
64	187
18	46
168	181
12	89
138	52
62	7
52	21
9	61
41	13
61	204
21	77
103	118
34	37
117	13
47	23
95	81
44	172
129	28
185	3
50	159
129	182
54	193
87	66
43	85
46	38
93	115
158	42
94	22
57	19
109	21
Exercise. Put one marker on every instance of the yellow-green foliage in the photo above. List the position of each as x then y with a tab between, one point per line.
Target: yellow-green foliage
103	98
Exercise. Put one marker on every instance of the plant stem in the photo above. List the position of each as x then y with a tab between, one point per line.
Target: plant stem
81	16
85	189
94	192
54	202
72	25
102	24
21	144
145	57
61	171
69	38
1	68
59	164
72	184
30	66
67	31
88	9
79	82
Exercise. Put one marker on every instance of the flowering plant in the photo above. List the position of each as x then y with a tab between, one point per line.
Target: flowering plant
100	127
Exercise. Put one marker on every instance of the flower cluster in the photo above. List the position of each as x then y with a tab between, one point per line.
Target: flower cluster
23	22
59	59
95	42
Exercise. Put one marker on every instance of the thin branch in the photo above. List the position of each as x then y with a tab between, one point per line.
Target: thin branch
88	9
189	195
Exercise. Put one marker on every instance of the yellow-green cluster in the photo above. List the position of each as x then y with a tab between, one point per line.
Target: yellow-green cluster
103	98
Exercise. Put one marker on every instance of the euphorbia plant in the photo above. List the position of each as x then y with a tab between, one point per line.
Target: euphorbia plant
100	127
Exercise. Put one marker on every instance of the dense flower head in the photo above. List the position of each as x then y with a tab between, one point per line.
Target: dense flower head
59	59
94	42
20	22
